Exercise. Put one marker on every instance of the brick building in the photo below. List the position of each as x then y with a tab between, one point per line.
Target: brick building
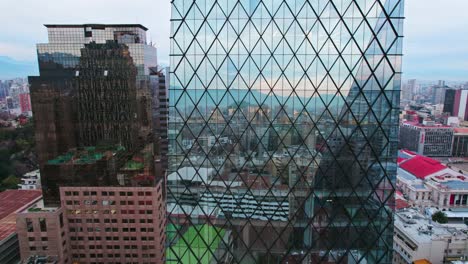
96	225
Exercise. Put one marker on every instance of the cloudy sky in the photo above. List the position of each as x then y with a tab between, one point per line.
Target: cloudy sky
436	31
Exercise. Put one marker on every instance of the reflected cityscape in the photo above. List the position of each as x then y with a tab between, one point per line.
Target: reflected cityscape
283	126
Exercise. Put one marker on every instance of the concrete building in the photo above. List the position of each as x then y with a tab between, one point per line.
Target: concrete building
460	142
30	181
456	103
42	232
13	202
428	139
115	224
426	182
417	237
96	225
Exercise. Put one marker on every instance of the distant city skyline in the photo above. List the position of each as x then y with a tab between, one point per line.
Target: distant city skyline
434	44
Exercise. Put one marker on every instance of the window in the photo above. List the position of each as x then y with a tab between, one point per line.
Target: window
61	220
44	239
31	239
42	224
29	225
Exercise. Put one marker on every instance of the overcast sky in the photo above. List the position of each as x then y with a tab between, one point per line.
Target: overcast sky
436	31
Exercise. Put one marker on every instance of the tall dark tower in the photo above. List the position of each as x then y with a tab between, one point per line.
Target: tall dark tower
106	99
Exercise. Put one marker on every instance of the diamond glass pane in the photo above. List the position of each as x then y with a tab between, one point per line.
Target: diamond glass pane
283	130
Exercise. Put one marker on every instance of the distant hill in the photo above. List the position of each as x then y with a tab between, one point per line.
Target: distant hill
11	68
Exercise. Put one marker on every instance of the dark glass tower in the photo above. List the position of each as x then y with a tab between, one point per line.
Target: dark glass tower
283	130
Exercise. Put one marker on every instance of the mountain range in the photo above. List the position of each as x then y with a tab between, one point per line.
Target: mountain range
11	68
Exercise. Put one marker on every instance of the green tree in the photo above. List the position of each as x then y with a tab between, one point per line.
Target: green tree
10	182
440	217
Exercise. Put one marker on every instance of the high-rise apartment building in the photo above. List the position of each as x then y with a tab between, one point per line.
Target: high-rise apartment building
100	106
456	103
283	131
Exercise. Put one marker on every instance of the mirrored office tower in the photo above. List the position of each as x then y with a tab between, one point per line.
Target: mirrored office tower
283	130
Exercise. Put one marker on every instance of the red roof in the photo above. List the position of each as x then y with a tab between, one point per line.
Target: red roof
461	130
400	204
409	152
400	159
11	202
421	166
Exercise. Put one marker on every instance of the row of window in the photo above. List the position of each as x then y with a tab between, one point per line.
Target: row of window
113	247
117	255
109	238
105	193
42	225
107	221
34	239
77	212
109	229
106	202
44	248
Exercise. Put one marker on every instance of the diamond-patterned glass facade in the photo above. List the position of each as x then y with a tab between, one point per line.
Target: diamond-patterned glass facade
283	130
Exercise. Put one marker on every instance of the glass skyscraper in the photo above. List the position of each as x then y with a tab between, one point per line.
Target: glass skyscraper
283	126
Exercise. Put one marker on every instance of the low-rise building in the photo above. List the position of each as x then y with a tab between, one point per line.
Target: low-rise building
96	225
460	142
30	181
12	202
42	232
417	237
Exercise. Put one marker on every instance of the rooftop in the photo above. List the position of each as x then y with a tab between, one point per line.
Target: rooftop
421	166
456	185
97	26
461	130
191	174
12	202
86	155
426	126
418	227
